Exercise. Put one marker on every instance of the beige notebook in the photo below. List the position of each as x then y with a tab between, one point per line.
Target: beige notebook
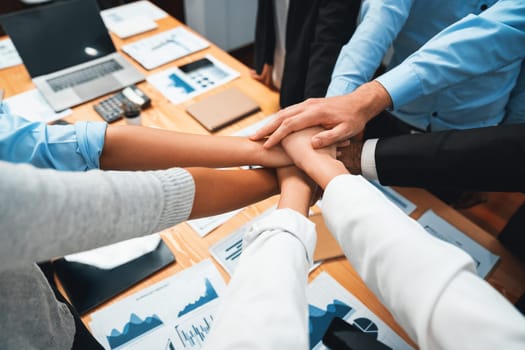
222	108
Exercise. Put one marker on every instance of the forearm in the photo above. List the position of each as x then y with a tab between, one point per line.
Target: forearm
268	288
483	159
359	59
296	190
382	244
219	191
484	309
322	169
64	147
47	213
444	61
140	148
277	251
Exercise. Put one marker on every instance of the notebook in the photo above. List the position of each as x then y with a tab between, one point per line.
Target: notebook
68	52
222	108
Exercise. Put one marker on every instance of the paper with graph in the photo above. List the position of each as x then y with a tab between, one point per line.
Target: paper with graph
176	313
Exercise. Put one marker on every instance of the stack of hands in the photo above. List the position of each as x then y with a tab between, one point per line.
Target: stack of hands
323	136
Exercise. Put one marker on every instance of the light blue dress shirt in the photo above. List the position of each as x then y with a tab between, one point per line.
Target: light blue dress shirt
454	65
515	109
64	147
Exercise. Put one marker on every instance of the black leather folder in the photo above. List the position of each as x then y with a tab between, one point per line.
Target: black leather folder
88	286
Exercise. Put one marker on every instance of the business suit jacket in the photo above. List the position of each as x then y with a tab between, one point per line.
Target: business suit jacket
484	159
315	32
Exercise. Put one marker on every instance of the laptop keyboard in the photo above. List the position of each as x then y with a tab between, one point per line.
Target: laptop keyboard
84	75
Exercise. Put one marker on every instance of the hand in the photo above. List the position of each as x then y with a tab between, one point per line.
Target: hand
298	147
349	152
319	164
265	77
341	116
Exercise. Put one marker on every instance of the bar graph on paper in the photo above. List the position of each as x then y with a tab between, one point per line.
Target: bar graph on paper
193	331
228	250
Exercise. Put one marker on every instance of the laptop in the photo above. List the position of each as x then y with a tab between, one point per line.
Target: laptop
68	52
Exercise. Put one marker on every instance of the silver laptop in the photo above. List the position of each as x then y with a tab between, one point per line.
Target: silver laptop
68	52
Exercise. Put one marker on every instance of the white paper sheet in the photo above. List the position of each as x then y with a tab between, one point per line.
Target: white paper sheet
165	47
8	54
204	226
178	86
132	26
176	313
114	255
325	291
228	250
31	105
439	228
126	12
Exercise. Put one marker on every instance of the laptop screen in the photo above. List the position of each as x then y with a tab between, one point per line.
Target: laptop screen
57	36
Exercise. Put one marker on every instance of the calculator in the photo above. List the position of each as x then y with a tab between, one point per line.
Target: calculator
111	108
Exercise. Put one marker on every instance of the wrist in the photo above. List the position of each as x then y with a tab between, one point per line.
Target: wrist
274	157
374	97
356	151
325	169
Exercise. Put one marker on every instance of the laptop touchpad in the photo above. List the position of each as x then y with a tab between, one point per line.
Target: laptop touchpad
97	87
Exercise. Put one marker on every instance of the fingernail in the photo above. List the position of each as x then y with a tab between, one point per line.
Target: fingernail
317	142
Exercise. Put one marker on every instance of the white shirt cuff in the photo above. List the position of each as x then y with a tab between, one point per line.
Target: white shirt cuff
368	160
287	221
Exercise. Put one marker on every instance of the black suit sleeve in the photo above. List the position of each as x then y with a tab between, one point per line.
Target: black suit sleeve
264	35
315	32
484	159
335	24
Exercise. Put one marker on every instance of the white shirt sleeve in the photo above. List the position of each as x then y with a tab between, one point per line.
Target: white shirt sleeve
368	159
265	306
428	285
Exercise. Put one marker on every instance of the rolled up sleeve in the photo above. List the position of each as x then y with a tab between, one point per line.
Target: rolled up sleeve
64	147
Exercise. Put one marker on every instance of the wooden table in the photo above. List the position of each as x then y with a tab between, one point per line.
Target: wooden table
508	276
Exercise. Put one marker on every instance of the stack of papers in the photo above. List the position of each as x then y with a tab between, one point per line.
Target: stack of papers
129	12
130	19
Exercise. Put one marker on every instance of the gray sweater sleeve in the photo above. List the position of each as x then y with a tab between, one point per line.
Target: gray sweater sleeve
46	213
